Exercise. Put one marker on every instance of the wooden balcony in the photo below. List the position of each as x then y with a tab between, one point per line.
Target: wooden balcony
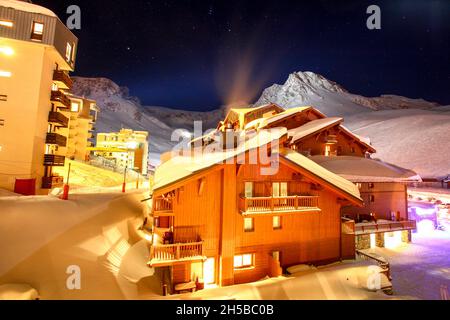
60	99
62	79
168	254
59	118
54	138
162	207
268	205
385	226
52	182
54	160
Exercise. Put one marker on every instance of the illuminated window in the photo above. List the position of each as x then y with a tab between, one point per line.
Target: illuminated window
276	255
37	31
276	222
244	261
69	49
327	150
279	189
5	74
5	23
249	225
249	189
75	107
55	87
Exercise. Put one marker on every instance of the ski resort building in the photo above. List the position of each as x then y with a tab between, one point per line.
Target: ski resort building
37	52
227	223
126	149
82	118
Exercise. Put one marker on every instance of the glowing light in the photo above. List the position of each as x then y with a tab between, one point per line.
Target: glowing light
425	227
392	239
5	74
8	24
208	271
422	212
132	145
373	241
7	51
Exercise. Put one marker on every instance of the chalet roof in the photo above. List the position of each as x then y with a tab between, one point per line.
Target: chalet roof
242	115
322	173
179	168
312	127
358	169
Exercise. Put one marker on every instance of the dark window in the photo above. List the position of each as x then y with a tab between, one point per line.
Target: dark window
3	97
2	122
372	198
371	185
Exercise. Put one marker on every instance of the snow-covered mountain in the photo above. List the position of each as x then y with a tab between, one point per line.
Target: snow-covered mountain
407	132
119	110
308	88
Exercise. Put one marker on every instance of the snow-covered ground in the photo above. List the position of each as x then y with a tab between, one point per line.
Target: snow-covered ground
420	268
40	237
340	281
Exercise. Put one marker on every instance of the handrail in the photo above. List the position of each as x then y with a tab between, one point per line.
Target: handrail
383	263
270	204
386	226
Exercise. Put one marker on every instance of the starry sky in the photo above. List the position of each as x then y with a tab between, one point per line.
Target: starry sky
199	55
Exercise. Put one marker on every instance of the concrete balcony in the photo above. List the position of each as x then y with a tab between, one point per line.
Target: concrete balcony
62	79
60	100
54	160
57	139
58	118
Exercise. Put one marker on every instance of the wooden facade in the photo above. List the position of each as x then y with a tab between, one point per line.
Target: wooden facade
205	209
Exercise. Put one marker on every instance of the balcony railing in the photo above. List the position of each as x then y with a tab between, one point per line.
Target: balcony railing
162	206
54	138
171	253
54	160
52	182
58	117
258	205
385	226
59	98
62	79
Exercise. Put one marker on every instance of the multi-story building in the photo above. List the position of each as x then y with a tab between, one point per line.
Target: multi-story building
37	52
128	149
227	223
82	118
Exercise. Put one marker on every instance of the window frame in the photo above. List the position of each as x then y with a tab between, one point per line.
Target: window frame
241	265
252	223
39	35
280	224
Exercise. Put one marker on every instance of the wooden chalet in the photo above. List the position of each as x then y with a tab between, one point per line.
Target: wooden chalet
227	223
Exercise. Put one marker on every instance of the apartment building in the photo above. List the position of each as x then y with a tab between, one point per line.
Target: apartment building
126	149
37	52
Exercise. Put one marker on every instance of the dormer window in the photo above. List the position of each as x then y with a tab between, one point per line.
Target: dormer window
38	31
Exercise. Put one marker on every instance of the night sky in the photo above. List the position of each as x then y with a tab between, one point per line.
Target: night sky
195	54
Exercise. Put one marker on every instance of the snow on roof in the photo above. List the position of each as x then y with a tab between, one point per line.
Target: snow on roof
27	7
322	173
357	169
179	168
287	113
312	127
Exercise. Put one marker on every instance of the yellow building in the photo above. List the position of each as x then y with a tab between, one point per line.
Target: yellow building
126	148
37	51
82	118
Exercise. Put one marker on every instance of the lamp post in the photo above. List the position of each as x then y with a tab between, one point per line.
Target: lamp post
124	180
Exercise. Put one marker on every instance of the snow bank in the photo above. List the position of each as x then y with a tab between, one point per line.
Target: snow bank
18	292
